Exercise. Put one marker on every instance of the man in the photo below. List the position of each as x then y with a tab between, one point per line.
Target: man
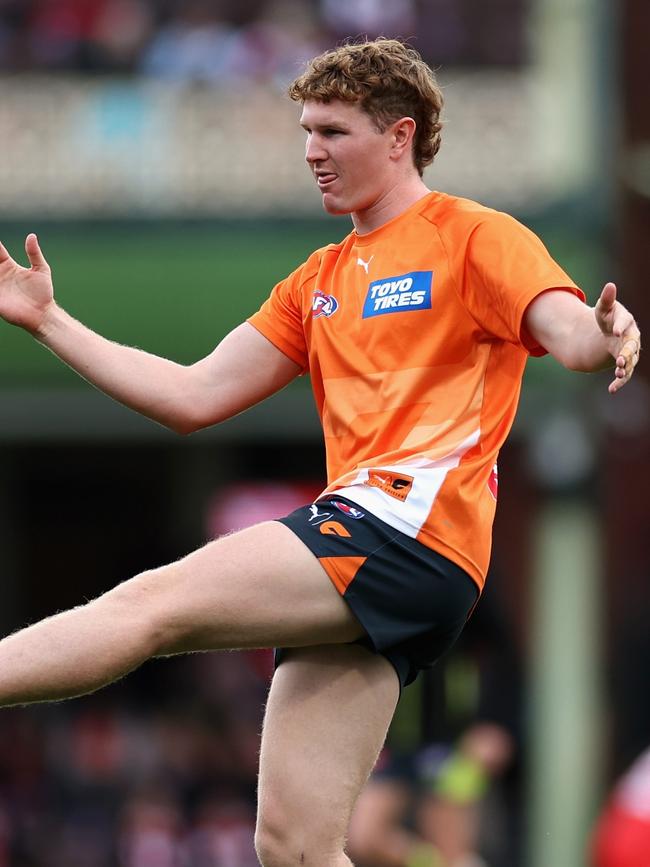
415	330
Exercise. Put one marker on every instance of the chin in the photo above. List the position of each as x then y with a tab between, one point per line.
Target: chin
335	209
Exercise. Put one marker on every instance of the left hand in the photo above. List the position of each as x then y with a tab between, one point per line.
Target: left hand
617	324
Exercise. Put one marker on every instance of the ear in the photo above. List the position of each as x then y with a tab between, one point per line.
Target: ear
403	131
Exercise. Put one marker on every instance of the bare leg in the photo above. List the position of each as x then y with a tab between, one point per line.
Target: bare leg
328	712
258	588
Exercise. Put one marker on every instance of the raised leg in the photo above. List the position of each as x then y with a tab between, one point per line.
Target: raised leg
258	588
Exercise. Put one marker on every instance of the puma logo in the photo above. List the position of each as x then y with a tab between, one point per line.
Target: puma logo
365	265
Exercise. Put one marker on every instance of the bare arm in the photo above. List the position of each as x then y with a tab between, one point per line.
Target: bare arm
242	370
586	338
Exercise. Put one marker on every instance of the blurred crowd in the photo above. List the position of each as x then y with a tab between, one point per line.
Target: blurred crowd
159	771
207	41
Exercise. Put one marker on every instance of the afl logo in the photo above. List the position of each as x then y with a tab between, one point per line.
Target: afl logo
348	510
323	305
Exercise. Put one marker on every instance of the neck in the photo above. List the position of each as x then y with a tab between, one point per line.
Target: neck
390	205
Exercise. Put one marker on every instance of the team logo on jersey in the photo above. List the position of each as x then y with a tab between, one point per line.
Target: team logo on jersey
493	481
350	511
396	485
397	294
323	305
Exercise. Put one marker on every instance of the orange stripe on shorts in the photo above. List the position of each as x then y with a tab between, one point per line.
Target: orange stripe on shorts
342	570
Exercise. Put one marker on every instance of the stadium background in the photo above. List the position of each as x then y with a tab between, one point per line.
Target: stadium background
150	146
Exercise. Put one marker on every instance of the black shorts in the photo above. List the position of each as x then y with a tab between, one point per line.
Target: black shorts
411	601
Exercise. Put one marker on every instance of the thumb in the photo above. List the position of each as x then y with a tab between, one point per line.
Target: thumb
34	253
607	298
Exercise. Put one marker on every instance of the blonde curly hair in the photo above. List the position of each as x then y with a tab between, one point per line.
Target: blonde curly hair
388	79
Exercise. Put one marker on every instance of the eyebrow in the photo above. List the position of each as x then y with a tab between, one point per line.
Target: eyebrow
333	124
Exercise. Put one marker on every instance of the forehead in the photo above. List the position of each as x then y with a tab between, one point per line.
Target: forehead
334	112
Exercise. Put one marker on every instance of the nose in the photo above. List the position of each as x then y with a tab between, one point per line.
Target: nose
314	150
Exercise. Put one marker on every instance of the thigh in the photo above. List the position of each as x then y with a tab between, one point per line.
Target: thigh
256	588
326	719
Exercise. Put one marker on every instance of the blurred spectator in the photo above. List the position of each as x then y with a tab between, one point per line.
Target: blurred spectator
150	832
622	833
425	808
195	45
278	43
223	835
211	41
370	18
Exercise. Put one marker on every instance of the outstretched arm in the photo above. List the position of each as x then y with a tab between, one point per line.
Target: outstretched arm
242	370
586	338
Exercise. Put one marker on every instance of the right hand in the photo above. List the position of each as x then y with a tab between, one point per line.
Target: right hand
26	294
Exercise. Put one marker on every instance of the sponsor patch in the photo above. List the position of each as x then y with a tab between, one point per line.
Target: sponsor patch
397	294
396	485
323	305
350	511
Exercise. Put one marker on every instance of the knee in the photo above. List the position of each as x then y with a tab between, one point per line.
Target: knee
274	844
280	841
140	601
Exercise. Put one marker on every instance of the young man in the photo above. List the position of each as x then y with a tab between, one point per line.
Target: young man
415	330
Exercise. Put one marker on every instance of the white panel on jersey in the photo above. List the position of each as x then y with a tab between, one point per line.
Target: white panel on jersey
428	476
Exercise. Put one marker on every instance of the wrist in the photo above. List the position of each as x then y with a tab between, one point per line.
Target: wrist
49	319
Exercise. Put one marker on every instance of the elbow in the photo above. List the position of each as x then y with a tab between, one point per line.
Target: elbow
183	428
189	424
185	423
190	421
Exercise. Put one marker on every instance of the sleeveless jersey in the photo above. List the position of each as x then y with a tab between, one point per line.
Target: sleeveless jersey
413	336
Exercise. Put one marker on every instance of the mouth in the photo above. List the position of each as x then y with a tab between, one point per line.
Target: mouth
325	180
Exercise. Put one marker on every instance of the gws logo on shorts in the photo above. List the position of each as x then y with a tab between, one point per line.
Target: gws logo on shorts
323	305
334	528
350	511
396	294
394	484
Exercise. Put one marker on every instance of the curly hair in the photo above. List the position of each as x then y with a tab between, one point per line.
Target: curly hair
388	79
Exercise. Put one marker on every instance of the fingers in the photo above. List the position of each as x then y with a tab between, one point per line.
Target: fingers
4	254
627	358
605	308
34	253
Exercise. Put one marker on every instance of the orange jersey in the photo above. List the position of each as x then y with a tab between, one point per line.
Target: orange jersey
413	336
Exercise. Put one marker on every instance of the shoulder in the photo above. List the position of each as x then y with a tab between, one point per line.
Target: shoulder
312	265
324	255
455	214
